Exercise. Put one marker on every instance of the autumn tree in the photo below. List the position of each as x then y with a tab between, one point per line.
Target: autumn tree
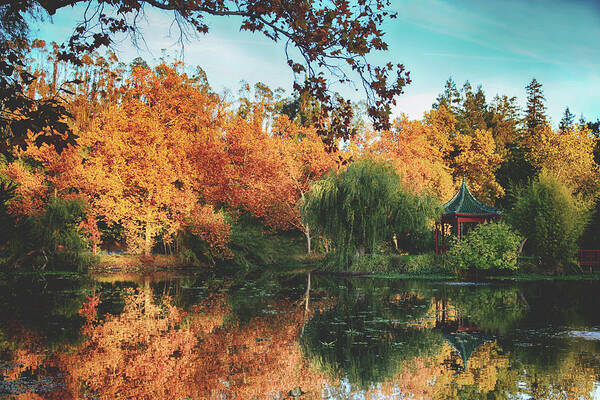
569	155
273	171
410	147
477	161
306	160
141	167
331	39
443	128
137	164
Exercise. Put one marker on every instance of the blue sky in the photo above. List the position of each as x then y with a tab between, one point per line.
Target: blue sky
500	45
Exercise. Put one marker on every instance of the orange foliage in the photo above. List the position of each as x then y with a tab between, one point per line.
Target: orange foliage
409	147
442	125
31	192
165	155
138	354
144	162
89	309
89	227
274	170
210	226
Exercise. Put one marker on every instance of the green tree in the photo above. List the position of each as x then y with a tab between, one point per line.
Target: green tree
504	120
450	97
361	206
491	247
567	120
50	240
551	219
473	113
535	113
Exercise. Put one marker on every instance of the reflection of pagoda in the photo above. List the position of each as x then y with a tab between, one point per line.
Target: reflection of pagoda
465	344
459	332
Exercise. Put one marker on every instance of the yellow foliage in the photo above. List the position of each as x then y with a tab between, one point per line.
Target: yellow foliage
569	155
409	148
477	161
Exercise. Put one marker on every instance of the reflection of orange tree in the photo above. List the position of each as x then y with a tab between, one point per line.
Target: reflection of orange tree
156	351
25	355
262	358
27	362
142	353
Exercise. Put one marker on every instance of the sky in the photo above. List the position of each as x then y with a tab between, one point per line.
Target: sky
500	45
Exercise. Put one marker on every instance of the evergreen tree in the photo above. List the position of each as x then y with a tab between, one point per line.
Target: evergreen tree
535	114
503	120
450	97
473	113
594	128
567	120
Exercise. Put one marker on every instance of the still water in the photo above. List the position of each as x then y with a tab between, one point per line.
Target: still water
199	335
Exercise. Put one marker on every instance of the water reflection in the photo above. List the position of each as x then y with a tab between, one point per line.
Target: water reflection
203	336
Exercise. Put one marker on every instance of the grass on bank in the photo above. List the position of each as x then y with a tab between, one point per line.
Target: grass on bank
119	262
524	277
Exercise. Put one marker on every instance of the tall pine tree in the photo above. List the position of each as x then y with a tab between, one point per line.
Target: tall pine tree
567	121
504	119
535	114
450	97
474	113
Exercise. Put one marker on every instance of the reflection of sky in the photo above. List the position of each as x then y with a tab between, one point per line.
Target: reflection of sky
500	45
344	390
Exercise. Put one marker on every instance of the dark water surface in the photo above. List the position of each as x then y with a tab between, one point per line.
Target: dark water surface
199	335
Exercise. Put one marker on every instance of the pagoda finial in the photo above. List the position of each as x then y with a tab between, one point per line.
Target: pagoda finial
464	180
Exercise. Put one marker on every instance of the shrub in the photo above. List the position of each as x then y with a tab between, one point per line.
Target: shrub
251	244
551	218
51	240
376	262
427	263
491	247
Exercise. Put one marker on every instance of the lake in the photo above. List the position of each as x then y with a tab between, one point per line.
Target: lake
211	335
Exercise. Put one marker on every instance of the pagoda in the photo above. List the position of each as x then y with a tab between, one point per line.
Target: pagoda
462	212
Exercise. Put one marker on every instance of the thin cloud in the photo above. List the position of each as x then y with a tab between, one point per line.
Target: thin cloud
475	57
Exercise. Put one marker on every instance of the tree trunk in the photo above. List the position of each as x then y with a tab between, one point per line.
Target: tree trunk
360	252
521	247
307	294
306	300
54	78
147	240
308	238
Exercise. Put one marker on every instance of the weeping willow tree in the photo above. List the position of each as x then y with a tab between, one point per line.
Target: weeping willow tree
359	207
